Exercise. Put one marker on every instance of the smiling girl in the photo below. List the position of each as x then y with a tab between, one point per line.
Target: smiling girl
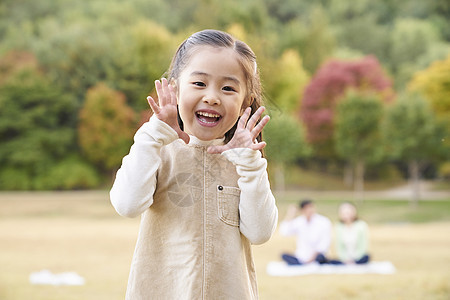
196	176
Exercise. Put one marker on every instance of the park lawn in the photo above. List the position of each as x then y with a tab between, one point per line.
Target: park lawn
80	232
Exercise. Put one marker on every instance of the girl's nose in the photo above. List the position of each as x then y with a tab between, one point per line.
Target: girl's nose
211	99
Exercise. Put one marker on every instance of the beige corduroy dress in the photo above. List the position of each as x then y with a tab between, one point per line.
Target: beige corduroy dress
200	213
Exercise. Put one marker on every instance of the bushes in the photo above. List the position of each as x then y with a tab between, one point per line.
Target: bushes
70	173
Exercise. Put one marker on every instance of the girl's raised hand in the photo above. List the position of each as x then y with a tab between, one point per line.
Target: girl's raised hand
167	110
246	133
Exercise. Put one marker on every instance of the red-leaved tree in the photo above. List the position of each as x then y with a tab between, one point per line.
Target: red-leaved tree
330	84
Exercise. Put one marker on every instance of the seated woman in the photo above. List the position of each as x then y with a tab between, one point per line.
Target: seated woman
352	237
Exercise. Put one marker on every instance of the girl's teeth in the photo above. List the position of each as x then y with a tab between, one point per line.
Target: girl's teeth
208	114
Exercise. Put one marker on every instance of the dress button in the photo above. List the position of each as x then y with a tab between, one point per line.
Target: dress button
220	187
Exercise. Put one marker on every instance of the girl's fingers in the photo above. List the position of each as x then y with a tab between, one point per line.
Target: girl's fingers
251	123
259	128
244	118
258	146
153	105
166	93
159	92
162	91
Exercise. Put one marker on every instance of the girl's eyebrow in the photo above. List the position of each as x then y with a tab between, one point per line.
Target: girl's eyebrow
230	78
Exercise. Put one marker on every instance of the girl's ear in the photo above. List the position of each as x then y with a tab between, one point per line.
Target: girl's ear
247	103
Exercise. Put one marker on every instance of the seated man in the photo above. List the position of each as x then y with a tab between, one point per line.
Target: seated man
313	232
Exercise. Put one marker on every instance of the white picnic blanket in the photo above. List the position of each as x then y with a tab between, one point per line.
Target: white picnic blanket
45	277
280	268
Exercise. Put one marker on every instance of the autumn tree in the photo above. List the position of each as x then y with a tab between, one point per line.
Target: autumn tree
433	84
328	86
106	126
288	81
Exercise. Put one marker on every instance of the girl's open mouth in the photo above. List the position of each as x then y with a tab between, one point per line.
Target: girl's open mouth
208	118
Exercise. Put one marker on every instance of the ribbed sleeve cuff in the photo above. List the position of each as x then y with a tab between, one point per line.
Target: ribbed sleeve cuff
158	130
243	157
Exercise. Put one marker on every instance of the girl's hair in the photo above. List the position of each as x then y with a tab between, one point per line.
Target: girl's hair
247	60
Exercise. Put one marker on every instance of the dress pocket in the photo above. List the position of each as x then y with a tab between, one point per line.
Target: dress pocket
228	204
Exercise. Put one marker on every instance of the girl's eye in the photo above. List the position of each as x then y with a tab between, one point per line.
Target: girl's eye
199	83
229	89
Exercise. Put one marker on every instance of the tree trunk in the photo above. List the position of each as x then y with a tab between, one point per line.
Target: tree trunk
348	175
359	181
414	180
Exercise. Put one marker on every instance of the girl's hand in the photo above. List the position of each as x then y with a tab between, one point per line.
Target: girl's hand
246	133
167	110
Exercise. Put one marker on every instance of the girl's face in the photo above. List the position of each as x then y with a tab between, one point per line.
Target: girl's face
211	92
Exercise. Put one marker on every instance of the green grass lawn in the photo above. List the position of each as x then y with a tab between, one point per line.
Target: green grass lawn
80	231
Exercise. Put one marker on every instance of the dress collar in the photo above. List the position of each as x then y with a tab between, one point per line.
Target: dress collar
194	141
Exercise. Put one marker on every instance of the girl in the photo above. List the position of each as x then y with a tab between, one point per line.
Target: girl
196	176
351	237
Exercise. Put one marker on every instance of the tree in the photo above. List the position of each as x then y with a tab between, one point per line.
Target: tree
288	82
411	42
285	144
411	135
36	123
154	49
328	86
357	133
433	84
106	126
312	38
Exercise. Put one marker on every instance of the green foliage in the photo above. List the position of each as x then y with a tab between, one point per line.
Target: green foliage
285	140
71	46
433	84
444	170
288	83
411	42
106	127
410	129
154	47
312	38
12	178
357	131
70	173
365	35
36	127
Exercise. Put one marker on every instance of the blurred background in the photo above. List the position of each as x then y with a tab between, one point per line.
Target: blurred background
359	98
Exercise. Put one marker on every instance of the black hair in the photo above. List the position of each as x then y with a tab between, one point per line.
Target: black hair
305	202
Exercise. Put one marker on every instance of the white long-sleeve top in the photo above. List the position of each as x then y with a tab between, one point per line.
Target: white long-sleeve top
313	236
200	213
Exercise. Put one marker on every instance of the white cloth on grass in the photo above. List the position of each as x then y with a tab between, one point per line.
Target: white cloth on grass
280	268
45	277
